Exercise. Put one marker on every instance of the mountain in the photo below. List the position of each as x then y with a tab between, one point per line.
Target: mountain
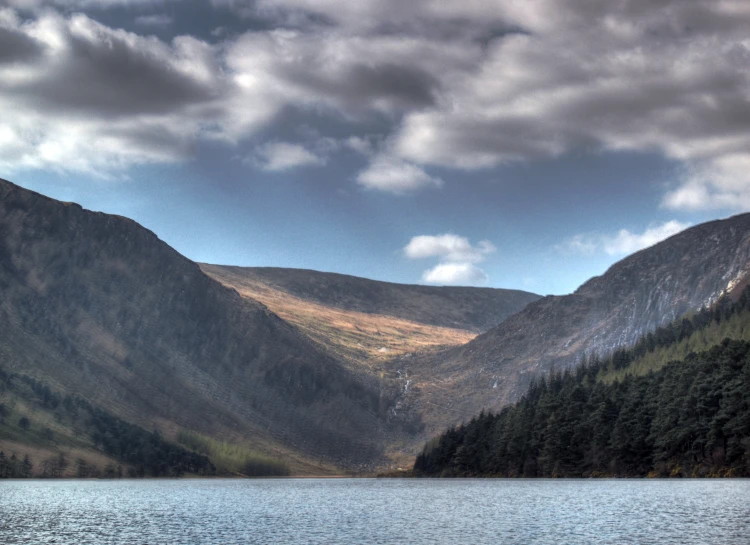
96	305
326	372
265	360
675	404
650	288
366	322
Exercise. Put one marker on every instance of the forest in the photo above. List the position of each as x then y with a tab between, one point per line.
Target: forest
681	418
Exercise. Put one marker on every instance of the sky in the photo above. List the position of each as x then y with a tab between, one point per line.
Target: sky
526	144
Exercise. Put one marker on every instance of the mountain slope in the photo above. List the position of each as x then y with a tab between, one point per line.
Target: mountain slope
97	305
367	322
685	272
687	417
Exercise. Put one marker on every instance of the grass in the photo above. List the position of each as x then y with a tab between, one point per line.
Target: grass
358	336
230	458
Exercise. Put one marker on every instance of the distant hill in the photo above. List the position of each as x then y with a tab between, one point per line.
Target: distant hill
643	291
96	305
366	321
471	309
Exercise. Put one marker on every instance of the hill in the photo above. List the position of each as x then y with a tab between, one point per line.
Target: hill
367	322
643	291
687	417
96	305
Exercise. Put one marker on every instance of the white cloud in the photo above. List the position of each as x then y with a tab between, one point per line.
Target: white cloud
395	176
78	4
281	156
455	274
87	97
670	77
360	144
624	242
627	75
579	244
721	183
448	247
457	256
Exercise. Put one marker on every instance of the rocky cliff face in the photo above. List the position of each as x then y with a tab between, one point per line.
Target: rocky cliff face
650	288
97	305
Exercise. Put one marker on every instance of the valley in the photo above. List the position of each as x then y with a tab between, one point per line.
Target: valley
325	373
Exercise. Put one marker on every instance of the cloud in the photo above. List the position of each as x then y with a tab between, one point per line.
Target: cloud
395	176
455	274
360	144
462	85
344	74
78	4
579	244
543	78
721	183
86	97
282	156
457	256
448	247
624	242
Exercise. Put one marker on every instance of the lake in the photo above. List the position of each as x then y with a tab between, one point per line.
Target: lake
378	511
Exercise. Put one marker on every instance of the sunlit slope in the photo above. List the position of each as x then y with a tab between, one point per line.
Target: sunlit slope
357	336
366	321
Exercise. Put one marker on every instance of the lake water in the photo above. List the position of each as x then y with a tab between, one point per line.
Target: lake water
354	511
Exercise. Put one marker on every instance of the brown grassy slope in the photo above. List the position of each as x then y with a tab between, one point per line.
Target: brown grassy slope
470	309
359	337
97	305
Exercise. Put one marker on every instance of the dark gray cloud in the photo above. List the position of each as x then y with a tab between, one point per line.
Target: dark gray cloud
358	85
16	46
110	75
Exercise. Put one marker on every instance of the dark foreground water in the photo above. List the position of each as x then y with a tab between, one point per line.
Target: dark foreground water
349	511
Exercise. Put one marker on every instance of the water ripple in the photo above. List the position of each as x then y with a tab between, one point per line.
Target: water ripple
388	512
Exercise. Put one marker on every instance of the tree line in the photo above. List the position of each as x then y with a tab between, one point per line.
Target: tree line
688	418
